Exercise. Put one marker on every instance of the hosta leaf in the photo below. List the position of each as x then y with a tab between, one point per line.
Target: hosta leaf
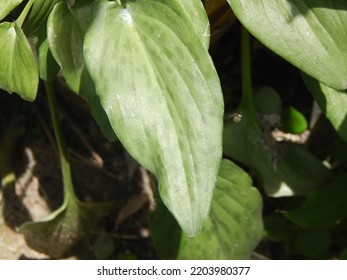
311	34
7	6
324	208
65	32
195	11
162	95
65	36
232	231
18	68
333	103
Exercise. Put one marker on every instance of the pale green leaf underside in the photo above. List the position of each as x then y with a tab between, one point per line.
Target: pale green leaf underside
65	32
162	95
6	6
332	102
18	68
311	34
232	231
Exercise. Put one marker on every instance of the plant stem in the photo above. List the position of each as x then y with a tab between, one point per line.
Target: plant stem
247	102
24	13
65	165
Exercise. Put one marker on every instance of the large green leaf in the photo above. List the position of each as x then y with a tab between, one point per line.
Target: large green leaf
232	231
325	207
18	68
284	168
333	103
195	11
160	90
311	34
6	6
65	31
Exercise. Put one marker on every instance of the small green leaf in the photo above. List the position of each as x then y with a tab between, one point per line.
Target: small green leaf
7	6
18	68
310	34
293	121
161	92
333	103
232	231
65	32
324	208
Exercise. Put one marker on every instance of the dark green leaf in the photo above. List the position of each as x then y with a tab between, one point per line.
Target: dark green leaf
324	208
161	92
278	227
311	34
18	68
7	6
314	245
232	231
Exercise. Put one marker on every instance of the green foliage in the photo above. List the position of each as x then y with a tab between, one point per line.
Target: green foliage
293	121
284	169
268	101
7	6
308	33
232	231
65	32
18	68
166	107
144	68
324	208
